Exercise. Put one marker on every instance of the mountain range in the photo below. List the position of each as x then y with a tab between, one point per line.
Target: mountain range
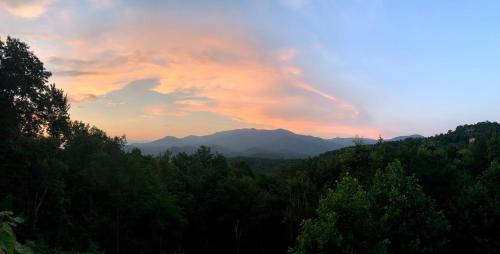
258	143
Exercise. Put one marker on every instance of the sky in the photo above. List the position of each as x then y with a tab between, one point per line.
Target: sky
148	69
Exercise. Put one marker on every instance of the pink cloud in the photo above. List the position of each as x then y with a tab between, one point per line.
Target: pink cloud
287	54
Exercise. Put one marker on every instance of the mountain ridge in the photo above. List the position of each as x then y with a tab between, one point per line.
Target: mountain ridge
251	142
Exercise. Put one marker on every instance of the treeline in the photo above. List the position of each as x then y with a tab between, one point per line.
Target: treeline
78	191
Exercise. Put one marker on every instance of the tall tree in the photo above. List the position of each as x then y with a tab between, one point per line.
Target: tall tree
29	105
344	223
407	216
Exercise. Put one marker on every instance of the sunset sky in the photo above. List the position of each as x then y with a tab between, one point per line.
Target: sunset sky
148	69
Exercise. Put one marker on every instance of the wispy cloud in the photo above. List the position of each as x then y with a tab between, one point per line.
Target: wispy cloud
82	98
26	8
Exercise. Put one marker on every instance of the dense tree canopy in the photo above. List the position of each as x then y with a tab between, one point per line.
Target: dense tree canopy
77	190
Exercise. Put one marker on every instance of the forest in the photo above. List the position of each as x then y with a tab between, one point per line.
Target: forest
68	187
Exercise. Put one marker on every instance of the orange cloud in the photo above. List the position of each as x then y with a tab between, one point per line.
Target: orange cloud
26	9
162	110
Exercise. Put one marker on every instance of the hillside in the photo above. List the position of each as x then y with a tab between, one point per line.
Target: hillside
257	143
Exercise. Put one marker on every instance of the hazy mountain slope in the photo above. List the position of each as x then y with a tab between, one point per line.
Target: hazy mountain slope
277	143
344	142
246	142
399	138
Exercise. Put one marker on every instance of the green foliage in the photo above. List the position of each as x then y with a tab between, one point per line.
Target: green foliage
395	216
344	223
408	218
478	214
8	243
7	236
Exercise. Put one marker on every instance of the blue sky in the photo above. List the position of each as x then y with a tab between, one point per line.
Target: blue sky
329	68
